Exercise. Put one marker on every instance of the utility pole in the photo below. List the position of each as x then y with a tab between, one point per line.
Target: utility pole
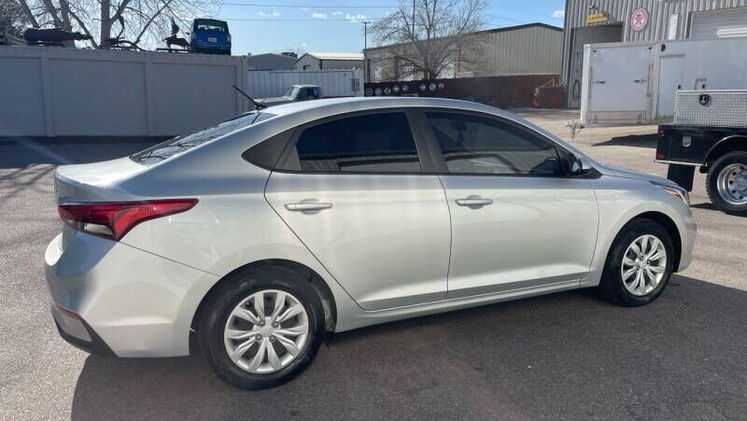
413	20
365	46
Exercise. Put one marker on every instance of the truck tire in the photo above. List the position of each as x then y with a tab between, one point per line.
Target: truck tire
727	183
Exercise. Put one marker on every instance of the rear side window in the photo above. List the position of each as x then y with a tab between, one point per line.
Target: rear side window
182	144
374	143
477	145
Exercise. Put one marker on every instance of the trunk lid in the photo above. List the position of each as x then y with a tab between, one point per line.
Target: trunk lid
95	182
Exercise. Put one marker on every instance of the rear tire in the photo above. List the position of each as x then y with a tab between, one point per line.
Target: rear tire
727	183
638	265
241	321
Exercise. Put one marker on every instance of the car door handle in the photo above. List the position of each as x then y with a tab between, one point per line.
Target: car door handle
308	206
474	201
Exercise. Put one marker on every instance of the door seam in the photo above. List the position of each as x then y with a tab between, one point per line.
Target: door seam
451	233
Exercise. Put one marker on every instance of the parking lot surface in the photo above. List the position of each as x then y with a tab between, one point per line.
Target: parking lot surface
562	356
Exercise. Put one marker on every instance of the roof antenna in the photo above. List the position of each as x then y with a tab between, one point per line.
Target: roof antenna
257	105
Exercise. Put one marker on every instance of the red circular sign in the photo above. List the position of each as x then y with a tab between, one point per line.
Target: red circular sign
639	19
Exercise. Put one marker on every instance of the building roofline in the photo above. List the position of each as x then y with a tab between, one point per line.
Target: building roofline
343	58
485	31
526	25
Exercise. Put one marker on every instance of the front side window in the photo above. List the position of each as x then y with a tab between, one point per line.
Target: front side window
379	143
477	145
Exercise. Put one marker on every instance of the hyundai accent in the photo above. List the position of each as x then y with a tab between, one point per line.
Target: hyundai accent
248	241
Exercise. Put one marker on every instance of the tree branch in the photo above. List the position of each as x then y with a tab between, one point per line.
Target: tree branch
84	28
27	11
147	24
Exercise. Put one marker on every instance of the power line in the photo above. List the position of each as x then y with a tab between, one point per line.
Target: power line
306	6
298	20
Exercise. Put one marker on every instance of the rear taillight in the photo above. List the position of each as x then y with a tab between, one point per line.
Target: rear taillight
114	220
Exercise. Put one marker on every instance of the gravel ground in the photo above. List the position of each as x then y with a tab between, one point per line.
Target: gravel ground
562	356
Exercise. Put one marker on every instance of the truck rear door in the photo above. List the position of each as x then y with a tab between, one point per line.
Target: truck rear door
615	87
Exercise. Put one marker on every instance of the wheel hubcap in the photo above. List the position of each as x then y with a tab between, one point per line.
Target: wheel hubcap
644	264
266	331
732	184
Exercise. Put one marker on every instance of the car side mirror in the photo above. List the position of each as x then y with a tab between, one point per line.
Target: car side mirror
573	165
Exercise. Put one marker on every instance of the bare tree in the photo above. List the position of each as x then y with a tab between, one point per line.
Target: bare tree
12	17
144	22
428	37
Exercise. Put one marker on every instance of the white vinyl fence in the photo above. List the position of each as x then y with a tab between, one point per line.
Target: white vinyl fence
334	83
80	92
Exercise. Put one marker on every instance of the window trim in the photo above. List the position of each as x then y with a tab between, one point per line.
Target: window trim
437	153
427	167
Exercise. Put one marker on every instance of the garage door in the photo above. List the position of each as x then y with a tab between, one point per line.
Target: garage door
729	23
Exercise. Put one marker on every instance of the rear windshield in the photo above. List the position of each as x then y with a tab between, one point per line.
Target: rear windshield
207	25
182	144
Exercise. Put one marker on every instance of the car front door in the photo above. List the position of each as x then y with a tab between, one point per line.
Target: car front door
517	220
356	192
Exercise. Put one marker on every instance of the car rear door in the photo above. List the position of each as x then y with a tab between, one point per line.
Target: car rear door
517	220
358	192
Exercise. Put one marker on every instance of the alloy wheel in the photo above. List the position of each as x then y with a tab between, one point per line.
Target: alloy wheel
266	331
644	265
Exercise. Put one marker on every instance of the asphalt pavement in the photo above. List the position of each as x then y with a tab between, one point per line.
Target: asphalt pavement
561	356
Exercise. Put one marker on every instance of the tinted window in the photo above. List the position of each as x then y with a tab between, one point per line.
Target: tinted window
181	144
211	25
478	145
312	93
379	143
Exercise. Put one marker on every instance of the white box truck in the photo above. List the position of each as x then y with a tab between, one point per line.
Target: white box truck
636	83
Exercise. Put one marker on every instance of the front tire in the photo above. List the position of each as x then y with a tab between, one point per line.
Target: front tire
639	264
727	183
261	327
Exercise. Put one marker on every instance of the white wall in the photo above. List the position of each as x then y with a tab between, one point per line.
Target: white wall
76	92
334	83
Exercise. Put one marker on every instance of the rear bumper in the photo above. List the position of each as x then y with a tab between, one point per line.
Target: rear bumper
209	47
78	333
115	299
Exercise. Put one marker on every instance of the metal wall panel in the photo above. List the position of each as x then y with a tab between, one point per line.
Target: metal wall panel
526	50
713	25
77	92
341	64
334	83
621	10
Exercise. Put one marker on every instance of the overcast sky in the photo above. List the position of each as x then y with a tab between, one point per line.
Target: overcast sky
335	25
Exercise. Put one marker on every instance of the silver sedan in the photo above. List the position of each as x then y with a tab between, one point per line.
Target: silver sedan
252	239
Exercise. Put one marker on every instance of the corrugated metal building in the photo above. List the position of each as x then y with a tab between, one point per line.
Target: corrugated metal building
600	21
271	61
532	49
329	61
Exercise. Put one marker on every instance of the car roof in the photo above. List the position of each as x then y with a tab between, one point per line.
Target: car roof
346	104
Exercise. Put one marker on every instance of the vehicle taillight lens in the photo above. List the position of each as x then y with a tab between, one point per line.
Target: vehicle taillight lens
114	220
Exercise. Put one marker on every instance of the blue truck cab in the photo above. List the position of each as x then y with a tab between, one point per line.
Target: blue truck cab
210	36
